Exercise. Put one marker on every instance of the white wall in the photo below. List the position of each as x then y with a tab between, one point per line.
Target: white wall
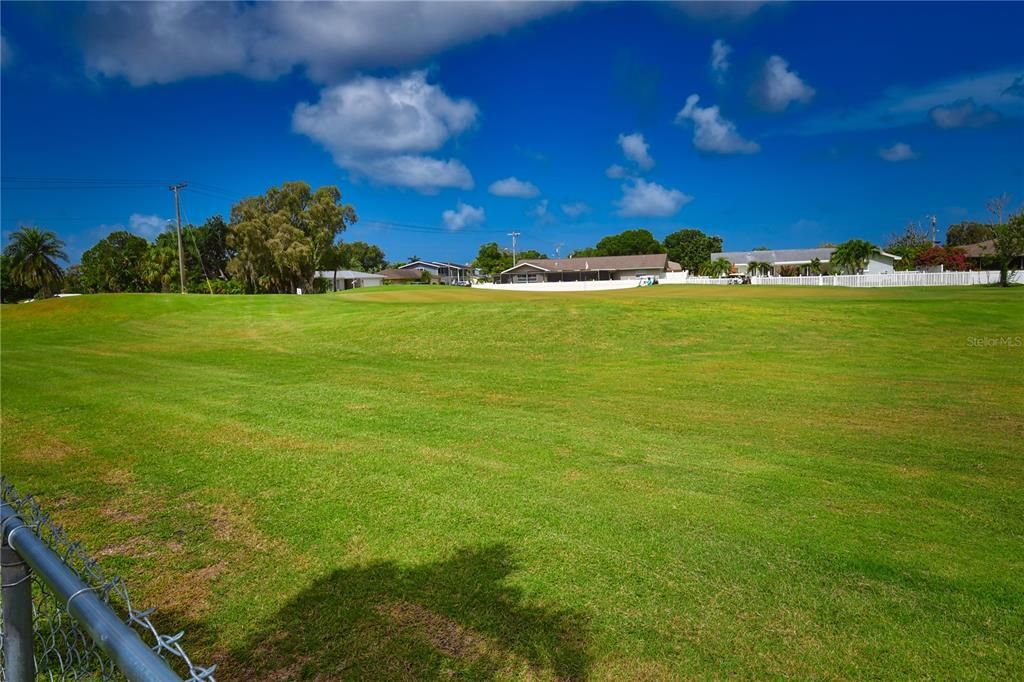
880	265
603	285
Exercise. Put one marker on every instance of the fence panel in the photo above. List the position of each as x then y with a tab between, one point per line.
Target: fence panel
82	622
895	279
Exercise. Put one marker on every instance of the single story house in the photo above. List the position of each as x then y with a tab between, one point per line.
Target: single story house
442	271
338	280
588	269
879	263
987	249
406	275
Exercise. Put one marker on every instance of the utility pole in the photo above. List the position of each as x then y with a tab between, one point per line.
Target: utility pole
177	209
558	250
514	235
933	232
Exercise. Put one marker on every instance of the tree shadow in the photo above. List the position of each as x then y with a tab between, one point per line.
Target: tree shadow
455	618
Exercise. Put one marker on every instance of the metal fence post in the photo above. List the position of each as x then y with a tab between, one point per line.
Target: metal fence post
16	583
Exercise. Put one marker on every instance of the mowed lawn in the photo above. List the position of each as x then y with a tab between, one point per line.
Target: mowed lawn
676	482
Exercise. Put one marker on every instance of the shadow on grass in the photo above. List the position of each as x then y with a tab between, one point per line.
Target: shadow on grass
454	618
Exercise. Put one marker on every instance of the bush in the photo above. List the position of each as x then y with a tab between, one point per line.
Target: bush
952	258
220	286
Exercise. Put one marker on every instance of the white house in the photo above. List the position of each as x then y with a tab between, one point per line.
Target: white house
338	280
442	271
880	262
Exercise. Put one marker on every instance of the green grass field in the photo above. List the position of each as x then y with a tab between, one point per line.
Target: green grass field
658	483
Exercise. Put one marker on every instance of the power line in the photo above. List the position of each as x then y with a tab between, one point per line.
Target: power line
13	182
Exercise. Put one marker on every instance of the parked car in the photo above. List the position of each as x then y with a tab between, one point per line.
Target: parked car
462	283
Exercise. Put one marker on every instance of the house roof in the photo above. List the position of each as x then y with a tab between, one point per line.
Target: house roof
775	257
985	248
398	273
433	263
347	274
654	261
783	256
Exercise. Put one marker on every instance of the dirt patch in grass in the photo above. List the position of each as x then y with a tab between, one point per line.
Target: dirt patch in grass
115	511
118	477
38	446
443	633
136	547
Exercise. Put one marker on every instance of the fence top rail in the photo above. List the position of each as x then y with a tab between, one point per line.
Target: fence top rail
85	592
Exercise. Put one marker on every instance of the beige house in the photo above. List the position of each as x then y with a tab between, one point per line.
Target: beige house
591	269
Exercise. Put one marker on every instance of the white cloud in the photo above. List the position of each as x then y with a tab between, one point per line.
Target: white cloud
616	172
636	150
899	151
513	187
963	113
379	127
720	52
161	42
641	198
540	212
711	132
148	226
899	107
575	210
777	87
425	174
464	215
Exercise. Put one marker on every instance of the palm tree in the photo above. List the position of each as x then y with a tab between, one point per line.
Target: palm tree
32	253
758	267
716	268
852	256
815	266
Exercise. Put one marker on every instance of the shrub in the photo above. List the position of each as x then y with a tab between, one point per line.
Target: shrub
949	258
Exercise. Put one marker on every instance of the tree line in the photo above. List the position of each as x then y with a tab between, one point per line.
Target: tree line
273	243
277	241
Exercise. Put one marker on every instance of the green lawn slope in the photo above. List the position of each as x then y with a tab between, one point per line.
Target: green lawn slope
425	482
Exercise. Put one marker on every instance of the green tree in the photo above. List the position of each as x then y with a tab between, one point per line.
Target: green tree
629	243
72	283
815	266
283	237
11	291
758	267
492	259
690	247
360	256
531	254
115	264
159	267
968	232
716	268
908	246
852	256
32	256
1009	245
587	252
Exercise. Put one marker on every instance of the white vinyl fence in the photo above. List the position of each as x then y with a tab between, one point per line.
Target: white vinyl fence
895	279
602	285
686	278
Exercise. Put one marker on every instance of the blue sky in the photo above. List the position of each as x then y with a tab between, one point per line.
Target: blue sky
451	124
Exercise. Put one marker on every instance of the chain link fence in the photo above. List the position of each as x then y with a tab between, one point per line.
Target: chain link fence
63	649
